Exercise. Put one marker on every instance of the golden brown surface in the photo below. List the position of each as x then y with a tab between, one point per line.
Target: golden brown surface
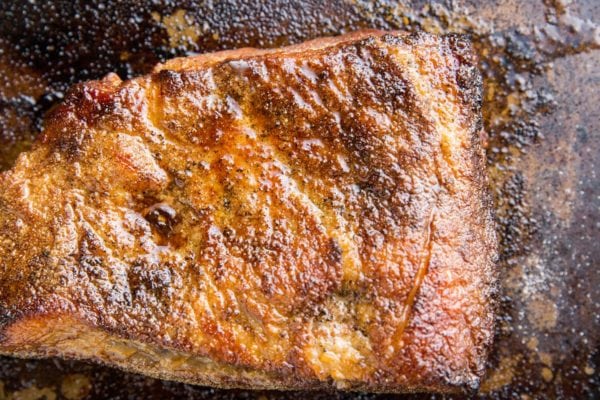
313	216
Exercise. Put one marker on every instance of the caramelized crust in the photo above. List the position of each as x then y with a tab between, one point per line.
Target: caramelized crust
307	217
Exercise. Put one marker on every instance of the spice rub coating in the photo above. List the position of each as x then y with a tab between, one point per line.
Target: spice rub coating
314	216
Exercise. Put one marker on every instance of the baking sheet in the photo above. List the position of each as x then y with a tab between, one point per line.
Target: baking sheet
541	67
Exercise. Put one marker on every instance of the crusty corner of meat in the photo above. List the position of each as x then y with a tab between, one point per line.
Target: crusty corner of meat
310	217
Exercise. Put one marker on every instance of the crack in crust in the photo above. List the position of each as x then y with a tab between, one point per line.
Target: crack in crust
425	257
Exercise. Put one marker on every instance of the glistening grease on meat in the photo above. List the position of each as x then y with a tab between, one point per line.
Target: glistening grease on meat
307	217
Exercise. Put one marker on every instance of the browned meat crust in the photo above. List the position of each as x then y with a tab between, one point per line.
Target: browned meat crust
308	217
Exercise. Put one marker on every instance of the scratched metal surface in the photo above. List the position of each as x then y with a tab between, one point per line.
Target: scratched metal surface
541	66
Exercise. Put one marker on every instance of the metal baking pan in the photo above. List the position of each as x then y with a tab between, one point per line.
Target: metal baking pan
540	62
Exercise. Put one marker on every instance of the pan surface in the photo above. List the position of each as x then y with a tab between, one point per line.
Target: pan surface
541	66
